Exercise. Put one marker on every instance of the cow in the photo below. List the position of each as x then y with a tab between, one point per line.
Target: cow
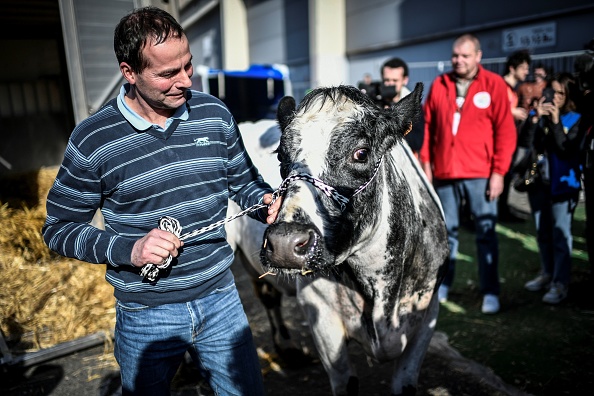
360	230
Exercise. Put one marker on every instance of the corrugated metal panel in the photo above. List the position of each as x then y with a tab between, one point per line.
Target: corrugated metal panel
279	33
95	21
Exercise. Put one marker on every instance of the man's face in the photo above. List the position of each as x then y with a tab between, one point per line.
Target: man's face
162	85
521	72
396	78
465	59
540	74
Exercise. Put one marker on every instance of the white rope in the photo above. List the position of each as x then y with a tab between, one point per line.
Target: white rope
363	186
151	271
171	224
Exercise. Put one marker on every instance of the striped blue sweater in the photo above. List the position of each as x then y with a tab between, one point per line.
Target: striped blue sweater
136	177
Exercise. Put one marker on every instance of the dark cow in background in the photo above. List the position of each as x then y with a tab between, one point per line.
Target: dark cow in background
363	226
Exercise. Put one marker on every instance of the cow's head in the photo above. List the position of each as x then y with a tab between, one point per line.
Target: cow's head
336	138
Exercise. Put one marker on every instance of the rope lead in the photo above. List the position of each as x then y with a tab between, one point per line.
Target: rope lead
151	271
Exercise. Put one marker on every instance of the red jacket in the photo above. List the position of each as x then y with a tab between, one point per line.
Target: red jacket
486	136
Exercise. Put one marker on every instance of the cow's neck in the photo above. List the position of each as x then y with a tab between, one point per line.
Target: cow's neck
377	256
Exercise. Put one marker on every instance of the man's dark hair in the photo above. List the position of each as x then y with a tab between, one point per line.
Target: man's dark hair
138	29
394	63
516	58
548	70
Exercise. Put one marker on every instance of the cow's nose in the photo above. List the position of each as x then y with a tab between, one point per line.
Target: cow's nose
288	245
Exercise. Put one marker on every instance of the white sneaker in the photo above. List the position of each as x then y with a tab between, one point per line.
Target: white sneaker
556	294
442	293
490	304
542	281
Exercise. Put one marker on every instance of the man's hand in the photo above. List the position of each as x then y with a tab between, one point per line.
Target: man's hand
155	247
273	209
495	186
519	113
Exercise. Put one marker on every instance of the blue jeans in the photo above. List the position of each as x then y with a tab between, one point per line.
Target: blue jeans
150	343
452	193
553	220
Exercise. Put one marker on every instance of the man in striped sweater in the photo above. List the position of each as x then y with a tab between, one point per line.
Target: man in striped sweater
160	149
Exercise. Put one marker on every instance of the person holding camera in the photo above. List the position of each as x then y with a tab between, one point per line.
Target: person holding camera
394	73
528	91
552	135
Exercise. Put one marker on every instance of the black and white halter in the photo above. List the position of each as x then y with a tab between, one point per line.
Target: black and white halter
151	271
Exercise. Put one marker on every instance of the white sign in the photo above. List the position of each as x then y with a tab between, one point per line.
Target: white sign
535	36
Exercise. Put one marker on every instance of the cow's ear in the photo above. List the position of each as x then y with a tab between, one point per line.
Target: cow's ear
285	111
409	108
398	118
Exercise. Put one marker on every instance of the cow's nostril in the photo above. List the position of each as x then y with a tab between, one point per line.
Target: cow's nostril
302	243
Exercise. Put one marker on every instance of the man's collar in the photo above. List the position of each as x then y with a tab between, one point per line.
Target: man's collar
140	123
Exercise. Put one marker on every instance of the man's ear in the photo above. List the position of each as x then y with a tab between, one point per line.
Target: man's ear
127	72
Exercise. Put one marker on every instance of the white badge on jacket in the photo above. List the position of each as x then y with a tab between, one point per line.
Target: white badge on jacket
456	123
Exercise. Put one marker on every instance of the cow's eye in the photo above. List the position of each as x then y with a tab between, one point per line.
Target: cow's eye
361	155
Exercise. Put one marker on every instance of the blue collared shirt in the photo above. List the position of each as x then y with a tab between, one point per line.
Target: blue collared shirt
140	123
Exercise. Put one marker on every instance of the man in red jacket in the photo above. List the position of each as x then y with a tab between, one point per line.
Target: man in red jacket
470	137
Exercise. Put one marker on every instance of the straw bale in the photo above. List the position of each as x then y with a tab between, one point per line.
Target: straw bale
45	299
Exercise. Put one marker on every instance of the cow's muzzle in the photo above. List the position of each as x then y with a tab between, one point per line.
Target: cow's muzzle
291	246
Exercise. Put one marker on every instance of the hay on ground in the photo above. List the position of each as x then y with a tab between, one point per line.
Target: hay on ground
45	299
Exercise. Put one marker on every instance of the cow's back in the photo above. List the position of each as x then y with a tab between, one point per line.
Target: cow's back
423	225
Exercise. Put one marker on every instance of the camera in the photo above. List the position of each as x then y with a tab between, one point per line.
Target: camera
548	93
380	93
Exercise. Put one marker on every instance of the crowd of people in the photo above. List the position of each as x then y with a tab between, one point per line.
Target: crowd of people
485	134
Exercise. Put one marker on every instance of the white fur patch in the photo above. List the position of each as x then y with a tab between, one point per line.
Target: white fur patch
433	323
403	341
316	126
